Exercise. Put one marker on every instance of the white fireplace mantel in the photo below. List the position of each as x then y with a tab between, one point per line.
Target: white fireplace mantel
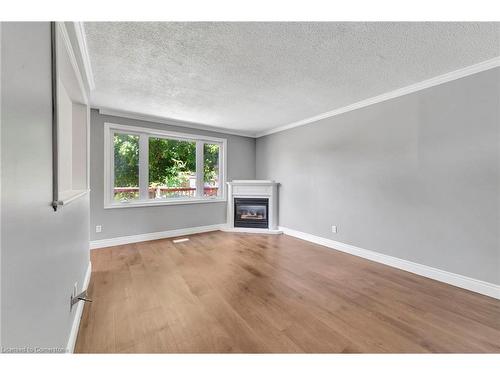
253	189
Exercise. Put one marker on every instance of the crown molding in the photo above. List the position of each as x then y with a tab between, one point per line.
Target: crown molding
82	45
435	81
168	121
438	80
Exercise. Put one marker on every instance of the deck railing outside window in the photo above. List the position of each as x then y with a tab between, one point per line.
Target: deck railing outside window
126	193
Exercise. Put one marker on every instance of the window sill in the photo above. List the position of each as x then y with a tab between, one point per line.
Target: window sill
162	203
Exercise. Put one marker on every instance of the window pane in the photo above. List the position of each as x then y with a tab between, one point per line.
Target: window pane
172	168
126	150
211	169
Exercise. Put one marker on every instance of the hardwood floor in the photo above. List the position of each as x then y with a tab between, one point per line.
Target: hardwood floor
228	292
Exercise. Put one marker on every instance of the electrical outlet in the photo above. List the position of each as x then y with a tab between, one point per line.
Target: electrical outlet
98	228
334	229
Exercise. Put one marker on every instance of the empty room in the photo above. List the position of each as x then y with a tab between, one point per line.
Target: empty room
250	187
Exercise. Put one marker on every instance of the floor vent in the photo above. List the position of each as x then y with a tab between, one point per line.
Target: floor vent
180	240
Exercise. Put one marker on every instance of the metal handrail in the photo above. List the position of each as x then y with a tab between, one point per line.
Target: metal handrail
55	166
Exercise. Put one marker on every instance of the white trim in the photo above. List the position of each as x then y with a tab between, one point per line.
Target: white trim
71	54
447	77
162	202
82	45
96	244
252	182
478	286
164	133
168	121
70	346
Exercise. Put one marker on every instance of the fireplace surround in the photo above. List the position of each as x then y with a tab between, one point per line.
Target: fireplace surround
252	206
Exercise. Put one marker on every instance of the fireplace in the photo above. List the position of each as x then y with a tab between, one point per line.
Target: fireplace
252	207
251	212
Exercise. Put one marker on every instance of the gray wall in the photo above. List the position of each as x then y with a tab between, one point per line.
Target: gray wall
416	177
118	222
43	253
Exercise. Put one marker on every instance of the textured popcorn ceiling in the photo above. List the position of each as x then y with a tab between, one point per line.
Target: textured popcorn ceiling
257	76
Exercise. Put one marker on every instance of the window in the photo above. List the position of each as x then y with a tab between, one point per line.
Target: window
172	168
146	167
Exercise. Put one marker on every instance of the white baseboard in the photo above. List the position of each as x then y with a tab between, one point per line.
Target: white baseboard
478	286
70	347
152	236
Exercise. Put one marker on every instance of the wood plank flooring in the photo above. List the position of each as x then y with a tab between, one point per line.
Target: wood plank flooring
247	293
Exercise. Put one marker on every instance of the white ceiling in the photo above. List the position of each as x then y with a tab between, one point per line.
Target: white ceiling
254	77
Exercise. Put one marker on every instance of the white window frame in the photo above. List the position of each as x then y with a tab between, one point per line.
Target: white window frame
144	134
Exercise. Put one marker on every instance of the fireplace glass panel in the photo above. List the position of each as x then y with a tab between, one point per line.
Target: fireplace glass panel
247	212
251	212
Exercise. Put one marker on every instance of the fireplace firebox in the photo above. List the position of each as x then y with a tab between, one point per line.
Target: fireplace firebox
251	212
